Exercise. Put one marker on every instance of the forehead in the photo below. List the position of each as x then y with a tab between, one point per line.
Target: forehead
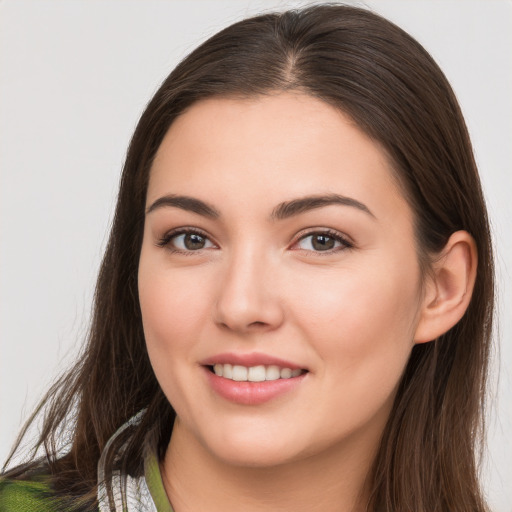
286	144
288	122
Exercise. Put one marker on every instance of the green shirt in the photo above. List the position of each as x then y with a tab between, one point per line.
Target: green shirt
143	494
26	495
35	494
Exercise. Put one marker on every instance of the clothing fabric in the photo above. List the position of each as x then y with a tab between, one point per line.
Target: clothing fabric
27	495
142	494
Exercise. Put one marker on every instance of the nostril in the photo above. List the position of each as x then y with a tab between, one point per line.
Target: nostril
257	324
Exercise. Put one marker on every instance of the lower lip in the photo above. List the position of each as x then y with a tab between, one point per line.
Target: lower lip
252	393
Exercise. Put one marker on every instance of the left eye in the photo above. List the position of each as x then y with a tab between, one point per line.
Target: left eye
321	242
190	242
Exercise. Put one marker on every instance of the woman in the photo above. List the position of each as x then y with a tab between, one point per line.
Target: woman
295	304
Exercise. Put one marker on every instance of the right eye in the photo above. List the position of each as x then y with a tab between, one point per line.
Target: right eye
186	241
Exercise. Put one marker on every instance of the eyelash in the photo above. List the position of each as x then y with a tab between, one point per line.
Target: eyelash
329	233
166	239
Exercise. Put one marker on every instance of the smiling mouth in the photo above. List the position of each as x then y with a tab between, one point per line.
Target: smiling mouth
260	373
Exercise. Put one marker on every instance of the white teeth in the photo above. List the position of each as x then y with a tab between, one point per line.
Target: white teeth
258	373
228	371
286	373
272	373
239	373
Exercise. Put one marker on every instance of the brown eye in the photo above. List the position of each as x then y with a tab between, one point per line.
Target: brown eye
193	241
187	242
322	242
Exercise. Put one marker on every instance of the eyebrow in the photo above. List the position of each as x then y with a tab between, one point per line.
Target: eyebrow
297	206
187	203
282	211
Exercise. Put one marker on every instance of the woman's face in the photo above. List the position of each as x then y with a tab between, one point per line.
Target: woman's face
277	246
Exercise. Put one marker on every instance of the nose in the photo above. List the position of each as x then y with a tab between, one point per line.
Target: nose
248	299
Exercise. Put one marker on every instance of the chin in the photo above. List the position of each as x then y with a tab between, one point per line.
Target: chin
256	457
252	449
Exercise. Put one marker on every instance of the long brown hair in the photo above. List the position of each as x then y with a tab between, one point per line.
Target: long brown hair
389	85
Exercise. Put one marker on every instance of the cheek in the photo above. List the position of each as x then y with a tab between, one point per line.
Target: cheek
359	296
362	319
173	313
169	300
362	330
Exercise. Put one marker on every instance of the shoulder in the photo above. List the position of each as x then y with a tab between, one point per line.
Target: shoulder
31	493
25	495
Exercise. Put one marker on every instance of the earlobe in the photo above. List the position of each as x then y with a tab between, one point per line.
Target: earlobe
449	289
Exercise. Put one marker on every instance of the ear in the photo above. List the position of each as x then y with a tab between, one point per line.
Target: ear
448	290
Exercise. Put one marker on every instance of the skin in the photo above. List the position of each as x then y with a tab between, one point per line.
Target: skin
349	315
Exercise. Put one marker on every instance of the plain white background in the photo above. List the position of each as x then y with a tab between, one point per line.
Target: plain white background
74	78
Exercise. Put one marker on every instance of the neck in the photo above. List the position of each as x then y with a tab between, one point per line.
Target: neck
195	479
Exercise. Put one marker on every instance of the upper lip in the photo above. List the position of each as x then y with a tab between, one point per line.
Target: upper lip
248	360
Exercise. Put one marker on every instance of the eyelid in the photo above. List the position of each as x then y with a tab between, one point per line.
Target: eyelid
165	240
345	241
329	232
